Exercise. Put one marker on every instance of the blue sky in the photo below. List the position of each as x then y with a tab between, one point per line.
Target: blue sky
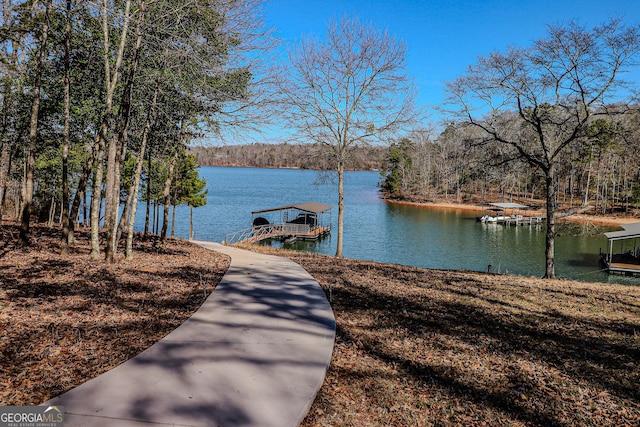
445	36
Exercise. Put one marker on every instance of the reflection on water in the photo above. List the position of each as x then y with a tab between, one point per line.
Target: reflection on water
393	233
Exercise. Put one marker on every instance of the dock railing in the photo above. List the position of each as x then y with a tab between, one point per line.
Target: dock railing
267	231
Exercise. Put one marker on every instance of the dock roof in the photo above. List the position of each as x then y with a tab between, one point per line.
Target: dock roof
508	205
630	231
313	207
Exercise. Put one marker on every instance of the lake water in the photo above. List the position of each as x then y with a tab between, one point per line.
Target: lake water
380	231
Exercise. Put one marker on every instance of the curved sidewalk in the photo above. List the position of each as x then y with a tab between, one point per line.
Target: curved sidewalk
254	354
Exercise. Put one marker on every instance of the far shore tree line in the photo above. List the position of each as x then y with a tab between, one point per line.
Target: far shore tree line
99	102
299	156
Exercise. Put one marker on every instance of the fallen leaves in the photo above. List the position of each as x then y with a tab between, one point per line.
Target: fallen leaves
414	347
66	319
418	347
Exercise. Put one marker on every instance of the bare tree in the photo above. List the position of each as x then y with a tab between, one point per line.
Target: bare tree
348	89
540	100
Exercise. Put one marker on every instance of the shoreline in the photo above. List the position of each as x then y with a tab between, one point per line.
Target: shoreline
603	220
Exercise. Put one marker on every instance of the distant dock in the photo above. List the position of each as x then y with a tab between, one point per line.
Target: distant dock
508	214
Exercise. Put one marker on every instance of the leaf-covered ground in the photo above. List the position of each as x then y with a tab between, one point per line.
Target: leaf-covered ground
420	347
66	319
414	347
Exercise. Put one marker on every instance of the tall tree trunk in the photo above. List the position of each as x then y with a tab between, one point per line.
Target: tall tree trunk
133	191
626	189
110	203
156	217
111	79
571	185
148	211
5	161
166	194
64	217
124	218
585	200
84	210
7	144
173	221
190	222
133	196
81	192
339	253
96	200
25	232
614	184
52	212
119	145
551	224
598	181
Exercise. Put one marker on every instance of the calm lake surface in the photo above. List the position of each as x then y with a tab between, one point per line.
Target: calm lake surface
380	231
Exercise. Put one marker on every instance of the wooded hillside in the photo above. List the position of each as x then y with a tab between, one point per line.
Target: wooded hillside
601	169
302	156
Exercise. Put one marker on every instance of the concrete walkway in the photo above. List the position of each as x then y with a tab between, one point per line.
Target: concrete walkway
254	354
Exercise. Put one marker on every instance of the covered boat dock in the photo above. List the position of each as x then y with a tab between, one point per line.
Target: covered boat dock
623	256
304	221
508	214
